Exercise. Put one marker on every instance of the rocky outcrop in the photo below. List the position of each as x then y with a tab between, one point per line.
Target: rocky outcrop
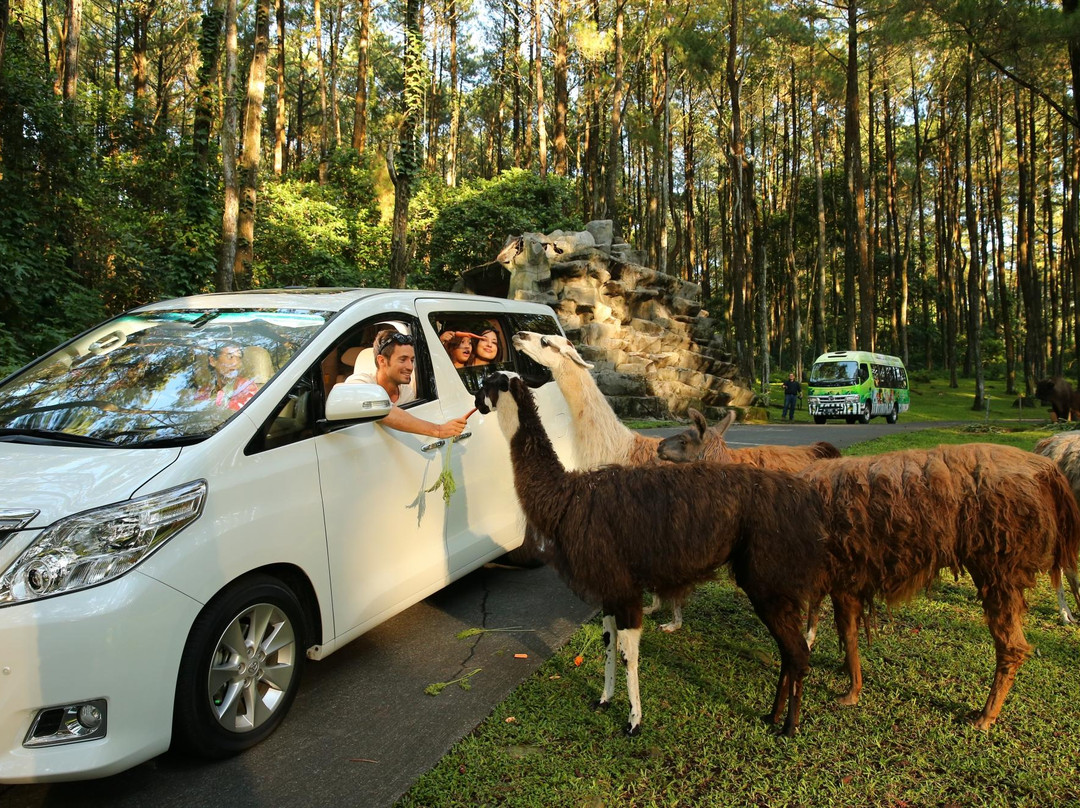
655	350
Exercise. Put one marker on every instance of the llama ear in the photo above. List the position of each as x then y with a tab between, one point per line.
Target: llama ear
571	353
699	421
723	424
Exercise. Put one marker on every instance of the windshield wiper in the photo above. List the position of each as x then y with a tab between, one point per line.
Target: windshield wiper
47	436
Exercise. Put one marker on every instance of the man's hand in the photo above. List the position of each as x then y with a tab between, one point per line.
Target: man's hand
451	429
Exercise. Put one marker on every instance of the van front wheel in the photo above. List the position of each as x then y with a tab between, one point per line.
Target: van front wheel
819	419
241	668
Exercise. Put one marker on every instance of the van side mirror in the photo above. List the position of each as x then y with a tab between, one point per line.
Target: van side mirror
355	402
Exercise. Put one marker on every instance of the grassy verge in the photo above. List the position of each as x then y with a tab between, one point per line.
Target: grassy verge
907	743
703	743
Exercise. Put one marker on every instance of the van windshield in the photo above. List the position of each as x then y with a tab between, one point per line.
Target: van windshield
154	377
833	374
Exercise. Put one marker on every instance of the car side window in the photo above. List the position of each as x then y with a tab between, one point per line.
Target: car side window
475	342
294	418
352	359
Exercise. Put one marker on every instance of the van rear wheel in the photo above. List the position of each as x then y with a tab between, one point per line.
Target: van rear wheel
864	416
241	668
893	415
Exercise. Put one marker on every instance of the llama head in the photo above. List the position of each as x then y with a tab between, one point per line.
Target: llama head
689	445
550	350
505	393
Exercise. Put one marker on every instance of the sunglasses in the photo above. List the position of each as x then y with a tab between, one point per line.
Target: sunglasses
397	338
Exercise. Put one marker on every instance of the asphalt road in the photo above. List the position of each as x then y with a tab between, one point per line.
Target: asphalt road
362	729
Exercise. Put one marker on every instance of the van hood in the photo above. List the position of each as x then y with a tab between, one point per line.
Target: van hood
61	480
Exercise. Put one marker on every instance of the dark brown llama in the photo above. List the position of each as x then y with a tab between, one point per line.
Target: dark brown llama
897	519
614	532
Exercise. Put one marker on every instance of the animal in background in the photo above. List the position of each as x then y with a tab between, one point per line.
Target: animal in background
600	438
896	519
1058	394
704	442
613	532
1064	449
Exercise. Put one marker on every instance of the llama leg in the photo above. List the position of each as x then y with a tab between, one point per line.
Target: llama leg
676	618
1063	607
1004	616
846	611
630	642
1074	586
657	602
813	615
610	647
784	620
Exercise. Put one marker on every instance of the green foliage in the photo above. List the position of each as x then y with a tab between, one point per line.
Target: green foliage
470	230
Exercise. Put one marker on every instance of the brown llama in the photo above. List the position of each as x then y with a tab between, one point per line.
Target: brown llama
616	531
600	438
1064	449
702	442
896	519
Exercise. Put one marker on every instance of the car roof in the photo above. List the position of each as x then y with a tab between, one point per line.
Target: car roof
317	299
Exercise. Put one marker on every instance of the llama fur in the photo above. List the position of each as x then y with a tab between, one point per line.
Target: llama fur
896	519
1064	449
702	442
600	438
613	532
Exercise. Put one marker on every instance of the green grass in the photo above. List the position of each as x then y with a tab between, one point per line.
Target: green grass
704	688
703	743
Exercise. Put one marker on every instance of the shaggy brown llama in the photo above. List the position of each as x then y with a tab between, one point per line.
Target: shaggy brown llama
691	444
600	438
1064	449
616	531
896	519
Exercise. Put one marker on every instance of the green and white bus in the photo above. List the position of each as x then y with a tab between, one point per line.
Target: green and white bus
856	386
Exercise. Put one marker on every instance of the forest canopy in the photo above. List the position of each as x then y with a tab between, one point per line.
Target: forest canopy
898	176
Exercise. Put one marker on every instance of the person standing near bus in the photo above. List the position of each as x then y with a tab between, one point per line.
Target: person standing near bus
792	391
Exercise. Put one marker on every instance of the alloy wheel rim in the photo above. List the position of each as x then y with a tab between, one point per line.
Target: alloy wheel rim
251	668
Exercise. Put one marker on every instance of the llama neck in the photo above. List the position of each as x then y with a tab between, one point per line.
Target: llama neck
538	472
600	437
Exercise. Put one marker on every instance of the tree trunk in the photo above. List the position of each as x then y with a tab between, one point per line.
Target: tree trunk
281	122
794	298
324	141
210	56
690	272
538	83
1069	7
455	96
742	190
140	78
974	281
614	155
997	213
560	71
1024	258
251	150
856	259
363	44
227	253
5	16
819	290
404	168
72	33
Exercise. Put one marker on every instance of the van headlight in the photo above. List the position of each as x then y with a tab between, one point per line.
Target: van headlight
99	545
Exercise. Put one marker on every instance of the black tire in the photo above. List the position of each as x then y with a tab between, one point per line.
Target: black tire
864	416
819	419
851	418
267	670
893	415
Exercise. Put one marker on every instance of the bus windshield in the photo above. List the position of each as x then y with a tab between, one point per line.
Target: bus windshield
834	374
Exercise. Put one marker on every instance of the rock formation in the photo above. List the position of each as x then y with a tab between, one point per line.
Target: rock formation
654	348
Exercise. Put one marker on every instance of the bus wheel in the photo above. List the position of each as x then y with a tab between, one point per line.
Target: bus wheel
893	415
819	419
864	417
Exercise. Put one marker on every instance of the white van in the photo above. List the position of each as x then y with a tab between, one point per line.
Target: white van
192	504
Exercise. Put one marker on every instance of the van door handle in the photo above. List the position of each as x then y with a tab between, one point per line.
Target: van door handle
431	447
462	437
